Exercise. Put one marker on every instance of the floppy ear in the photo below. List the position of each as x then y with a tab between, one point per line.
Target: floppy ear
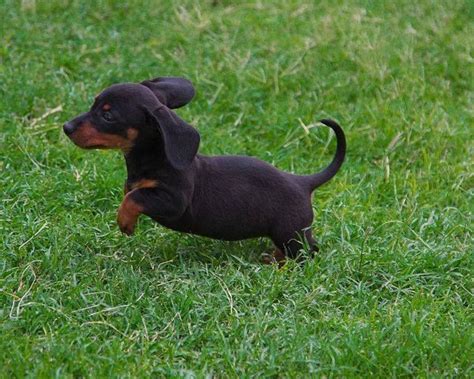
173	92
180	140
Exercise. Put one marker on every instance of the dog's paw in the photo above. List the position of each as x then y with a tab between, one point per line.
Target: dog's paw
126	222
126	228
276	257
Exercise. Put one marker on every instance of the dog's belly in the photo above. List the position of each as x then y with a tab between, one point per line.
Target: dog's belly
228	235
226	228
218	226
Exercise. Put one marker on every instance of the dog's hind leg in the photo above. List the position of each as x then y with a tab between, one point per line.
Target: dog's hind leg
293	244
275	256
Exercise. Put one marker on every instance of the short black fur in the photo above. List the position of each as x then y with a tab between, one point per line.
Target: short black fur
222	197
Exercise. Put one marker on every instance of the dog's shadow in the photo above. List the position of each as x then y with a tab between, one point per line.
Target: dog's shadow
156	246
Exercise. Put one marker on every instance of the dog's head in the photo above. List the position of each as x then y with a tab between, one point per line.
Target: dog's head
125	116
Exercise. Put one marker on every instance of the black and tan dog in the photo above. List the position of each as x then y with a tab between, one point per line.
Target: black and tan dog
222	197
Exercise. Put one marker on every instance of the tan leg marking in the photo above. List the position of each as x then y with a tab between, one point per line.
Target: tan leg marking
129	210
128	214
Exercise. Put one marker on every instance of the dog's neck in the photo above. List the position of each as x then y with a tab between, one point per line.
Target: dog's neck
146	162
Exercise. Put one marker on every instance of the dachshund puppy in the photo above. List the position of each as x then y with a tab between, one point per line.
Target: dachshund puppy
222	197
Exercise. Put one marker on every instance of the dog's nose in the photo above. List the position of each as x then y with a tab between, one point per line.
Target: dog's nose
68	128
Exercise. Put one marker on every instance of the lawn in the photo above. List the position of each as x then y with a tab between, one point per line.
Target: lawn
391	292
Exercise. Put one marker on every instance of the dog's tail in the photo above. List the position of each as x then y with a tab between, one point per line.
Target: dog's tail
318	179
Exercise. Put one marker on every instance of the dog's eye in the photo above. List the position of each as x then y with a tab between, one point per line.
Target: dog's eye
107	116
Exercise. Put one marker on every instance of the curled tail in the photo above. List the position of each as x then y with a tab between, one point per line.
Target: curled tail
318	179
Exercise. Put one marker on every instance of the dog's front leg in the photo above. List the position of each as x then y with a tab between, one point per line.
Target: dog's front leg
153	202
128	213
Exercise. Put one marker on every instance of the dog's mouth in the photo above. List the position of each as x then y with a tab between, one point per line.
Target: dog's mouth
88	137
92	147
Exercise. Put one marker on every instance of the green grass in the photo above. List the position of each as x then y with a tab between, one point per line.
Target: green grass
390	294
